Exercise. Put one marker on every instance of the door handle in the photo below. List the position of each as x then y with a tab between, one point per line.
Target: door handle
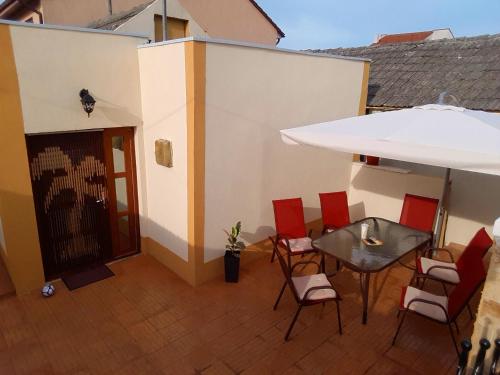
101	201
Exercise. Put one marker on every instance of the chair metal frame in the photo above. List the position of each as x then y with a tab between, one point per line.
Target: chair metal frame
429	253
288	272
449	320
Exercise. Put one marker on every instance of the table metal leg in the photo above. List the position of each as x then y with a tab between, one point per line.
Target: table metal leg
365	287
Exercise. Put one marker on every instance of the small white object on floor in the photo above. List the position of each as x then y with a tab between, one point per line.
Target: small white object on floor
48	290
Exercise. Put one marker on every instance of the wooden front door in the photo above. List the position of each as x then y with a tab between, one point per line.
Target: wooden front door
79	201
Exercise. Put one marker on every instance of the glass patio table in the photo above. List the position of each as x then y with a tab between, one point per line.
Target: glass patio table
345	245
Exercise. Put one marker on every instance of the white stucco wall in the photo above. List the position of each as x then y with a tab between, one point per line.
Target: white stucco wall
143	22
163	90
251	93
54	65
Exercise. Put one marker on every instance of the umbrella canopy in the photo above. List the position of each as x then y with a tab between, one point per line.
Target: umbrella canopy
433	134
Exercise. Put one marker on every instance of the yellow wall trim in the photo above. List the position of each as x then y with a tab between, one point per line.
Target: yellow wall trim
168	258
195	54
364	89
23	258
363	97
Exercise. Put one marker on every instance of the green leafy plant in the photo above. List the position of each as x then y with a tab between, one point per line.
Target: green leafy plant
234	244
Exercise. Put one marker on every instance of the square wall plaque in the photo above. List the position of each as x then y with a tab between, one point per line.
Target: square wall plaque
163	152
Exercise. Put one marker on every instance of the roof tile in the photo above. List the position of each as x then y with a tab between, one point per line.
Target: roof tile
414	73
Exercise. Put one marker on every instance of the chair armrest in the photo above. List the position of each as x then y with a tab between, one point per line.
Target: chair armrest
305	262
428	275
312	289
436	249
429	303
284	238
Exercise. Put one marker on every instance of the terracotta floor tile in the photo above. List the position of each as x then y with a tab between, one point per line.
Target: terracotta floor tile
146	320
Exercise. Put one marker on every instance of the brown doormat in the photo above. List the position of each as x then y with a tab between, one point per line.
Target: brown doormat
77	280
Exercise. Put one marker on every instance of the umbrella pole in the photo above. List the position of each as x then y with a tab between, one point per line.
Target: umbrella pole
443	206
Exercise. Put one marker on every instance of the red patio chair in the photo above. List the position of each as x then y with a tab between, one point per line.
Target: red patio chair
334	210
291	233
419	212
307	289
444	309
449	272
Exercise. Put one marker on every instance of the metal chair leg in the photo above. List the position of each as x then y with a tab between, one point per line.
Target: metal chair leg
414	279
456	327
293	323
453	338
445	290
399	327
423	284
338	317
470	311
274	253
279	296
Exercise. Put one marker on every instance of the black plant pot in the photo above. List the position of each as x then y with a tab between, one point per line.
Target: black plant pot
232	266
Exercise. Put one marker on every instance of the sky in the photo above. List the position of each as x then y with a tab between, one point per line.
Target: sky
343	23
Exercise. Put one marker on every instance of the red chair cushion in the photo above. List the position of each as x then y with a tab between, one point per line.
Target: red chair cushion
334	209
477	248
289	218
419	212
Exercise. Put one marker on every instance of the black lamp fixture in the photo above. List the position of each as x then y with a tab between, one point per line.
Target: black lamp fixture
87	100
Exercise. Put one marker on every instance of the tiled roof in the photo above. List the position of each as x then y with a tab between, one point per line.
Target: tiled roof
406	37
410	74
111	22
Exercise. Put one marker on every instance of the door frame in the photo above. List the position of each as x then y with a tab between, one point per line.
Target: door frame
132	196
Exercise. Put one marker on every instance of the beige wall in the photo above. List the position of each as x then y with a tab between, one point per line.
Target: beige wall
474	203
143	23
251	94
163	88
54	65
73	12
82	12
379	192
232	19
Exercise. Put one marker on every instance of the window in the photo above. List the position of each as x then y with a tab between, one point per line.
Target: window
176	28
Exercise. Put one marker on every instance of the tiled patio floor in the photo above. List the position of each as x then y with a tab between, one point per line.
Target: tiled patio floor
147	320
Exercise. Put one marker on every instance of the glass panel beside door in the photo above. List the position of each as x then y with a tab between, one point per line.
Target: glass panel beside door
121	177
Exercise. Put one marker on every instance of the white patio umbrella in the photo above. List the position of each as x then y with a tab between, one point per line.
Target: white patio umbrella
433	134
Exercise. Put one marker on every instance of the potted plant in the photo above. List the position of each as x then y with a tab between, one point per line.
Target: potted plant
232	256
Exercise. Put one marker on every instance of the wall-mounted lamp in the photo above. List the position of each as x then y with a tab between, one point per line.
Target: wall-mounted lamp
87	100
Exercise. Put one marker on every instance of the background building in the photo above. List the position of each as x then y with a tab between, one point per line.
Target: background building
242	20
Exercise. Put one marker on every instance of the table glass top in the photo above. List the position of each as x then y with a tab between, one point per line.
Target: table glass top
346	245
